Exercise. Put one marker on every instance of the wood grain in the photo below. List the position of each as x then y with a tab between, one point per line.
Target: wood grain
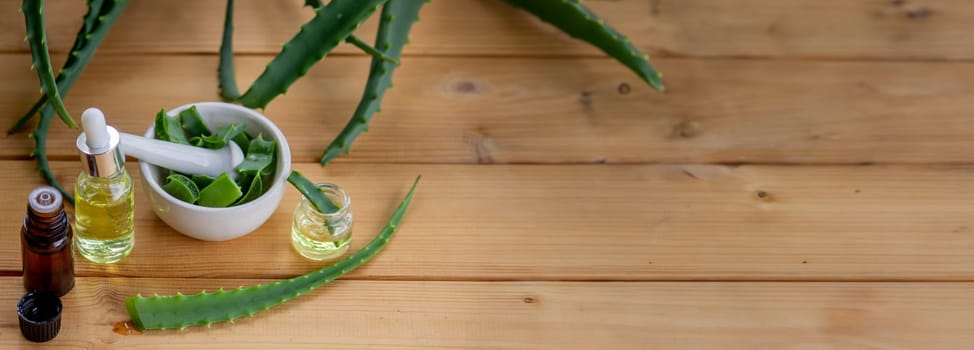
541	315
860	29
564	205
665	222
522	110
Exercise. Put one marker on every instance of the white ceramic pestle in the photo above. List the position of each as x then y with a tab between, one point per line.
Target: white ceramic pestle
182	158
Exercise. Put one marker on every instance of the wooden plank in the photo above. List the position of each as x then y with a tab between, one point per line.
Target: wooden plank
465	110
752	28
664	222
541	315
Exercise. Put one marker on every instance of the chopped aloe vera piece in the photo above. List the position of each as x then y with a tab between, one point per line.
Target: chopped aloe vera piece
223	136
255	189
193	123
259	156
221	193
312	193
243	140
203	180
244	181
168	129
182	187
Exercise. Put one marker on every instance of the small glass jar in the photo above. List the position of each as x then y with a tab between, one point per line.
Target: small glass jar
320	236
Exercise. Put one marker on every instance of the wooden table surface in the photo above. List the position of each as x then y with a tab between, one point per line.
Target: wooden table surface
806	181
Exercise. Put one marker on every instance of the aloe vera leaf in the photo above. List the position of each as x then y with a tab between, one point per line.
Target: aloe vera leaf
254	190
397	19
203	309
99	19
313	193
94	7
96	24
202	181
578	21
244	182
221	193
227	81
223	136
88	21
260	155
98	30
182	187
243	140
354	40
192	123
41	58
329	27
169	129
225	71
40	151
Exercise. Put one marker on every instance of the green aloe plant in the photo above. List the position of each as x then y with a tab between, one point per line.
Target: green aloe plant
397	19
41	58
332	25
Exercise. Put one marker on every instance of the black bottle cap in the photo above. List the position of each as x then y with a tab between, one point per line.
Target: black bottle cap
40	316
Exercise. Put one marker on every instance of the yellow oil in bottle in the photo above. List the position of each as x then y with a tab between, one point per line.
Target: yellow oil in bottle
104	217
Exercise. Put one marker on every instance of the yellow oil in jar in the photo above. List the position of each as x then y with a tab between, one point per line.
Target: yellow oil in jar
315	241
104	217
321	236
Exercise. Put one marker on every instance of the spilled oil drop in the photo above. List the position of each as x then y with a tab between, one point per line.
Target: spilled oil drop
126	328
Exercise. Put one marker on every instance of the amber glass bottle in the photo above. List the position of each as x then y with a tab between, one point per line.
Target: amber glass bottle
45	243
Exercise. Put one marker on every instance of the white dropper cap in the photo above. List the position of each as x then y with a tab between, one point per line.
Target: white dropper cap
96	132
98	144
45	200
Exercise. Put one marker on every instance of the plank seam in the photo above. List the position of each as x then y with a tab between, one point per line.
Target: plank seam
69	158
573	56
535	279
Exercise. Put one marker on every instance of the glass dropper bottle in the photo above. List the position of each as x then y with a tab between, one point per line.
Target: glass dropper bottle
104	200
